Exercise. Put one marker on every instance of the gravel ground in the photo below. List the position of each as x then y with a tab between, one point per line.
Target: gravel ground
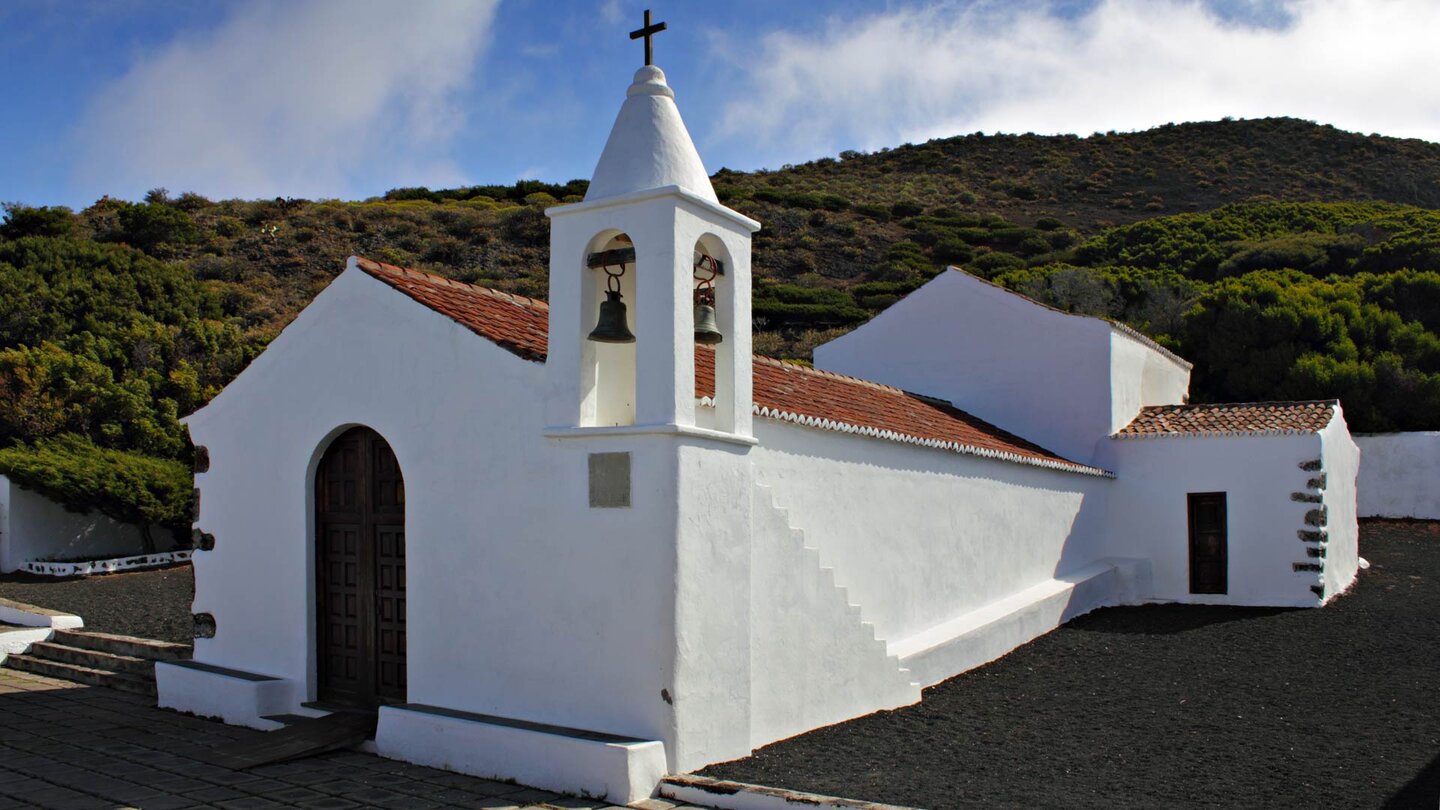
1171	706
150	604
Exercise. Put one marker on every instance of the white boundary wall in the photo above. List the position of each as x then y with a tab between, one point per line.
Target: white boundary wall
33	527
1399	475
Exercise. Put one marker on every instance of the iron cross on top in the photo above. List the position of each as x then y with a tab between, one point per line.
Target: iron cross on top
647	32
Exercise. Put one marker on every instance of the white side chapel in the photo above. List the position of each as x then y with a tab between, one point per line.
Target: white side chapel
586	544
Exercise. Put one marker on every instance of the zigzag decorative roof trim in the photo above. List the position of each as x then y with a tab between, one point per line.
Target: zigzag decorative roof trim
903	438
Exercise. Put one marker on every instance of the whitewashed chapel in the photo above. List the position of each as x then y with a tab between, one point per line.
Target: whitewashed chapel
583	545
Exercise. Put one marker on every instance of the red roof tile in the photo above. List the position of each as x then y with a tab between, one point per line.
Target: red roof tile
515	322
783	391
1230	419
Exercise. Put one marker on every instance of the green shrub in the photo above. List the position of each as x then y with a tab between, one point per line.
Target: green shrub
22	221
150	225
126	486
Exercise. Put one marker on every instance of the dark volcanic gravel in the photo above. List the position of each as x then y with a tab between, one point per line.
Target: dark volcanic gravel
1171	706
150	604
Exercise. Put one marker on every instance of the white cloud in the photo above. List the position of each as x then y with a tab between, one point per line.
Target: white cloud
317	99
611	12
910	74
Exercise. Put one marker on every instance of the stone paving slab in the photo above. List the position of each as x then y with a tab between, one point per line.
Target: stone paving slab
64	746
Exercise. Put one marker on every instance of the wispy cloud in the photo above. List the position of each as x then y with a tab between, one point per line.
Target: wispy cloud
322	98
913	73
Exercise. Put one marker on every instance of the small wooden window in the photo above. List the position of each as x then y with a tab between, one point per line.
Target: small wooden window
1208	542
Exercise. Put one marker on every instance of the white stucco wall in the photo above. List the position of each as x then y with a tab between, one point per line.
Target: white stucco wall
523	602
1148	512
1400	475
919	536
1063	381
33	527
1141	376
815	659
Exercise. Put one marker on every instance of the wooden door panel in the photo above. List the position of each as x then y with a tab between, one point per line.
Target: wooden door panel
360	538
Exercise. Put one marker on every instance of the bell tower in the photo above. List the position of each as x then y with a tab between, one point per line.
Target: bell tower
648	409
631	267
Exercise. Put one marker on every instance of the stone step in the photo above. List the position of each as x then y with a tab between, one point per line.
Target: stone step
93	659
123	645
133	684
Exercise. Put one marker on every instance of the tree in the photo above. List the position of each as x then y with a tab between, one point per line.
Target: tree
22	221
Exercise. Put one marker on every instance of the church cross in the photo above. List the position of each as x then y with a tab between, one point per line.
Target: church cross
647	32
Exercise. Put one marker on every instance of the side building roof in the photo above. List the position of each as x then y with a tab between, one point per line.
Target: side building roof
1230	419
782	391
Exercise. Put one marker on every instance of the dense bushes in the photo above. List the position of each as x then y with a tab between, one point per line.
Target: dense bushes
102	348
1276	301
130	487
116	319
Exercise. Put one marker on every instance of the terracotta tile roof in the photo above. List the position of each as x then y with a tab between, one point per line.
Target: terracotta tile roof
517	323
822	399
783	391
1230	419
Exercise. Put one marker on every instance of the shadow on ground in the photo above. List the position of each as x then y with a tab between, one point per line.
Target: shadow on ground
1165	619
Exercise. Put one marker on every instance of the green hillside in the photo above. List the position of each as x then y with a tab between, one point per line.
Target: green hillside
1288	260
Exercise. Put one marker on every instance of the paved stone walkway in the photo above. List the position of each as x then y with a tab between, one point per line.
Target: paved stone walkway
73	747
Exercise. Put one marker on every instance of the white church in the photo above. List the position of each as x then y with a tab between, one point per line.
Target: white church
590	543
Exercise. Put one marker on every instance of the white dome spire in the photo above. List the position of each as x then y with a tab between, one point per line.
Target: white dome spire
649	146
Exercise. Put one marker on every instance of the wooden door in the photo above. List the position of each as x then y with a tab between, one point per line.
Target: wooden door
360	565
1208	542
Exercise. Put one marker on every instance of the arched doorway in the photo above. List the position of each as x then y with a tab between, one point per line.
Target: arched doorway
360	569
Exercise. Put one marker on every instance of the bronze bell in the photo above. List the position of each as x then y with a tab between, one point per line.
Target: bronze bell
706	330
612	327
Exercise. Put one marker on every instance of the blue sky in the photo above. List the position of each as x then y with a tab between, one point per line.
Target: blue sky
349	98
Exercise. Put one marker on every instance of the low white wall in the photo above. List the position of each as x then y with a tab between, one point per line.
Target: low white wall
1399	475
33	527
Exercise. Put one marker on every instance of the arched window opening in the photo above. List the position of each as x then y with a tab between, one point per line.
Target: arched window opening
607	367
714	329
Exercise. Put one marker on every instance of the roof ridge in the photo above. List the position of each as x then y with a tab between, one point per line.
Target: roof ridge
371	267
1247	404
804	369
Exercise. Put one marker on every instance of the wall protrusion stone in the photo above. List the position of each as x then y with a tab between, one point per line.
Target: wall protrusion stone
202	458
1306	497
1313	536
1313	465
1317	517
202	540
204	625
1318	482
